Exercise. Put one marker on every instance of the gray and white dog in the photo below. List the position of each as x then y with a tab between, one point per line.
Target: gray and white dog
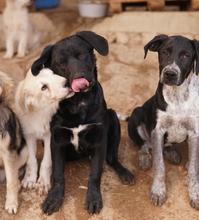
171	115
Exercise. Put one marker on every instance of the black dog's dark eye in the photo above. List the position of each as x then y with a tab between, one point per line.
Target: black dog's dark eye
82	54
44	87
165	53
61	64
185	56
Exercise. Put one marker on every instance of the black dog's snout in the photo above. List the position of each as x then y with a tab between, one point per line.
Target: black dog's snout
80	75
170	74
66	84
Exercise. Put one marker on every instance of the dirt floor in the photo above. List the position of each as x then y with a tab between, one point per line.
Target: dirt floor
126	84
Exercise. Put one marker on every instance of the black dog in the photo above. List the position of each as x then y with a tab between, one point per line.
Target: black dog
83	125
171	115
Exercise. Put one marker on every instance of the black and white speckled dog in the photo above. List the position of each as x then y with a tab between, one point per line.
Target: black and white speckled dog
171	115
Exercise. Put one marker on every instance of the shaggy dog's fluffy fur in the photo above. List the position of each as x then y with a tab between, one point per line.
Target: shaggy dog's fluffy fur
37	99
13	151
18	28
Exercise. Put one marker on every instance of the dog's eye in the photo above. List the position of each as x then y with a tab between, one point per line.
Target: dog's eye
61	64
185	56
82	54
165	53
44	87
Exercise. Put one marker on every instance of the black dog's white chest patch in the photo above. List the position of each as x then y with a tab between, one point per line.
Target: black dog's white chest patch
75	138
76	131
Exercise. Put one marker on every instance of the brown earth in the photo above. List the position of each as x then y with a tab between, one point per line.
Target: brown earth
126	84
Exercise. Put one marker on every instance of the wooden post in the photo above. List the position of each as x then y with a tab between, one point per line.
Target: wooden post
155	5
194	5
2	5
115	7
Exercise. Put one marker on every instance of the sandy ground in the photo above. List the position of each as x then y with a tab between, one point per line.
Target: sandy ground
126	85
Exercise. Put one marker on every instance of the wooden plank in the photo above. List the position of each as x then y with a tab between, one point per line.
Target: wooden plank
137	1
152	5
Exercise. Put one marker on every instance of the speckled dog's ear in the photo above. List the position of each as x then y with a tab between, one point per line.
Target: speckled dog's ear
43	61
196	45
155	43
99	43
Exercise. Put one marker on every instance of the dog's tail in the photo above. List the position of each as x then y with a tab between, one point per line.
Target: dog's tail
123	117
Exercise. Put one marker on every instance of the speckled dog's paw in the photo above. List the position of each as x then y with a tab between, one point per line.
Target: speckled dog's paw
158	194
172	156
145	161
194	197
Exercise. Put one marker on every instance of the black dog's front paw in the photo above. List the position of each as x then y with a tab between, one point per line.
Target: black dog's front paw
127	177
53	201
94	204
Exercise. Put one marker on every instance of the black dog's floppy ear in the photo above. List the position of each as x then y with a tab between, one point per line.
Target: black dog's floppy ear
98	42
43	61
196	45
155	43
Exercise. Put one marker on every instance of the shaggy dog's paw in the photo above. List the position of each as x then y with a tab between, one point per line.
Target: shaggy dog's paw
28	182
30	179
158	194
42	186
145	161
11	207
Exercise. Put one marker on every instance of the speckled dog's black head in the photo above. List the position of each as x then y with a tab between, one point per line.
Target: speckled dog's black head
176	56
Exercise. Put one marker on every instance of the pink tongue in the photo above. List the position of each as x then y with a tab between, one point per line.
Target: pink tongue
79	84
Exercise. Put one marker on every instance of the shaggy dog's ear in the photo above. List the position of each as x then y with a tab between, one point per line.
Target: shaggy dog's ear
155	43
6	85
98	42
43	61
25	101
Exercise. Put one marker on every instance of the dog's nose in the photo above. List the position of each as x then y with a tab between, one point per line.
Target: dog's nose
170	74
66	84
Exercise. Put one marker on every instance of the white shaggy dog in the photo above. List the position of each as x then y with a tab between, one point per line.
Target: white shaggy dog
18	28
13	149
36	101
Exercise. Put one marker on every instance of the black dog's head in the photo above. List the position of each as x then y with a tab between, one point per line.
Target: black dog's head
176	56
74	59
